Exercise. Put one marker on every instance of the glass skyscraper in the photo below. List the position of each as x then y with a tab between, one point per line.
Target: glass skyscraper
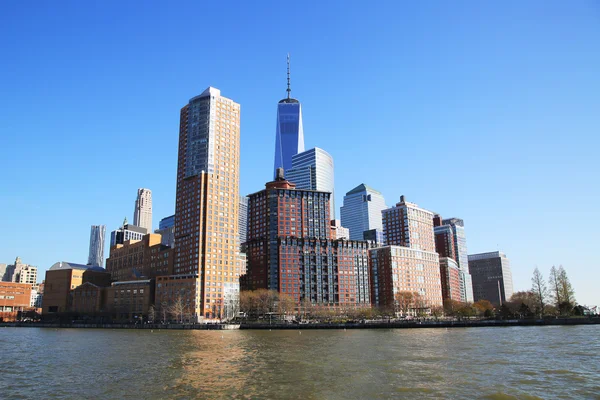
96	254
313	169
362	211
462	259
289	139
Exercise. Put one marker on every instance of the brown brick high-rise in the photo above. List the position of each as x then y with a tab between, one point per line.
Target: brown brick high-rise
207	201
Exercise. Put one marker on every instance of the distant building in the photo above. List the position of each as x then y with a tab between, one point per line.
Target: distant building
3	272
313	169
338	231
19	272
127	232
408	265
451	280
289	135
134	259
142	214
14	297
362	211
291	249
375	236
492	277
243	219
97	237
166	229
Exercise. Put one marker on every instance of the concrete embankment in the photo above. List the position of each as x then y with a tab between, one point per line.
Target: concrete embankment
368	325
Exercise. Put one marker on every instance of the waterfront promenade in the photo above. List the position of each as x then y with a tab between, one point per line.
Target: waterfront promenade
288	326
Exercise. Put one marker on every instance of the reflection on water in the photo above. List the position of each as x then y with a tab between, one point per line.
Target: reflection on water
492	363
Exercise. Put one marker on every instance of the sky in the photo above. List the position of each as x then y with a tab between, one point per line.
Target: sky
485	111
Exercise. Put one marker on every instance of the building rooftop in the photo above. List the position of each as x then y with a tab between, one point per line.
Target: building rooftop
69	265
362	188
483	256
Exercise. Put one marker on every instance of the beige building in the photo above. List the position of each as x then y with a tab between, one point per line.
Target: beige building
207	200
142	215
18	272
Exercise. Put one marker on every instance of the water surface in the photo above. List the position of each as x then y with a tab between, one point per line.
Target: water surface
560	362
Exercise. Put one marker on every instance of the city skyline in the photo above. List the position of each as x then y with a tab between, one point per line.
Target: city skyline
508	142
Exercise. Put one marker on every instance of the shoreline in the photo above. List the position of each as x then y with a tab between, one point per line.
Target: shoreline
339	326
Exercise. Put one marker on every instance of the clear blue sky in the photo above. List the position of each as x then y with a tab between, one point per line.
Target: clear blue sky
488	112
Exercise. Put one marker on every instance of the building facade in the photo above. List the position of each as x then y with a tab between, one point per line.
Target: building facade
408	265
142	214
291	249
362	211
127	232
289	134
19	272
134	259
313	169
14	297
338	231
62	278
451	278
130	300
397	270
166	229
492	277
243	219
207	199
96	253
375	236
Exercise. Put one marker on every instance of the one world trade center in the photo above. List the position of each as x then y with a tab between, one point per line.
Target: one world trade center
290	135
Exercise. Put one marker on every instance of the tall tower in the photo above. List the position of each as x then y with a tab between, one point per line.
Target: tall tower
142	215
207	202
289	137
96	254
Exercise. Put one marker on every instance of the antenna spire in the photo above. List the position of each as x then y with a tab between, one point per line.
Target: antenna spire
289	89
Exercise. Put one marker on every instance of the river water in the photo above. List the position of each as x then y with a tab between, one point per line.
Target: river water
457	363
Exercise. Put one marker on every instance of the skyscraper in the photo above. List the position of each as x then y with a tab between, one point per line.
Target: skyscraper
289	136
127	232
291	249
492	277
96	254
362	210
166	229
313	169
142	216
207	202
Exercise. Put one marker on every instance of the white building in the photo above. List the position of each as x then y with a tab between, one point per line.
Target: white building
142	215
313	170
97	237
362	211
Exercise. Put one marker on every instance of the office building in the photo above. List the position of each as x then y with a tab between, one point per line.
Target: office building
127	232
313	169
166	229
375	236
243	219
461	255
142	214
96	254
19	272
207	200
408	263
492	277
291	249
289	135
362	211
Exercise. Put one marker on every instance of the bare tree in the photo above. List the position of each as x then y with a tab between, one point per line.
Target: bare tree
178	308
555	286
152	313
567	293
404	302
539	290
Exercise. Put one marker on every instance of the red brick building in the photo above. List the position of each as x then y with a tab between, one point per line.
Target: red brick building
14	297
